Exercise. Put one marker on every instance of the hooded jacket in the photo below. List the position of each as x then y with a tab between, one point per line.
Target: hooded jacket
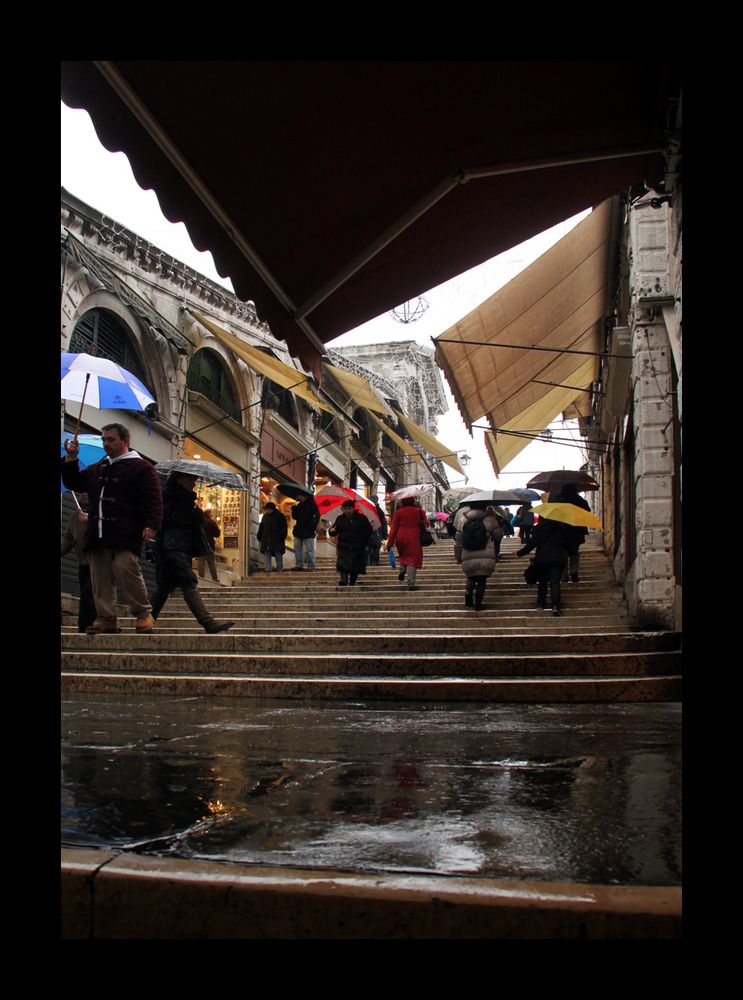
124	498
482	561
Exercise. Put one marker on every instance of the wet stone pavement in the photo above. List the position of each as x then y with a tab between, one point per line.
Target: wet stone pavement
585	793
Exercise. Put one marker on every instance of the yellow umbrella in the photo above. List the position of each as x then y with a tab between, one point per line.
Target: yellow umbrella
568	513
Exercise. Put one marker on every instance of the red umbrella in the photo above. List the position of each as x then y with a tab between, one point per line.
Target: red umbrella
331	497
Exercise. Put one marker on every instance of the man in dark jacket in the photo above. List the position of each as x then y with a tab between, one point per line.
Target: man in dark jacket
352	531
550	539
181	539
307	515
125	511
272	533
576	535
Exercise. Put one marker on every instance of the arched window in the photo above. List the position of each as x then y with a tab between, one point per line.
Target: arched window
207	374
102	333
280	400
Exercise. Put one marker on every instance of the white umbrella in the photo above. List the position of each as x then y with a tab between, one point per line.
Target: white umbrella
101	383
417	490
493	496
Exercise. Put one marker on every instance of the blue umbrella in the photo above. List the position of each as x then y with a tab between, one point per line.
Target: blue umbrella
102	383
91	451
527	495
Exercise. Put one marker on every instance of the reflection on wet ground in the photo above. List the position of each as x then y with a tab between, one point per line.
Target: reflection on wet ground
588	793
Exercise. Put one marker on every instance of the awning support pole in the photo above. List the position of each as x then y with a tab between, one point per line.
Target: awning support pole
532	347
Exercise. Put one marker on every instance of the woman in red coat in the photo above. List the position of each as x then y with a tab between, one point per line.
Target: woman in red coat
405	531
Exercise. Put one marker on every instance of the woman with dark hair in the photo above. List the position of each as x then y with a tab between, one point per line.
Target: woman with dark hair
180	539
405	531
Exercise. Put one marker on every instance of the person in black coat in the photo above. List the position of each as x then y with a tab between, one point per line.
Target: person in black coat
352	531
307	515
550	539
181	539
576	535
377	535
272	532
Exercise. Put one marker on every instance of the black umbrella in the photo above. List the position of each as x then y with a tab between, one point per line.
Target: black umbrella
295	492
201	469
551	481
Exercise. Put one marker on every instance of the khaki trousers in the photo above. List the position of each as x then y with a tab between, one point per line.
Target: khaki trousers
107	568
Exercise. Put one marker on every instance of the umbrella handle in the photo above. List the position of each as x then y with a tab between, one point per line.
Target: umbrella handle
82	404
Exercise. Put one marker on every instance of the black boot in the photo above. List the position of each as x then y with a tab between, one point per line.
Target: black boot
157	600
198	609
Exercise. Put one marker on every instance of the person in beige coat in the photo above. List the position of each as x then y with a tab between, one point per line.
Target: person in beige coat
477	563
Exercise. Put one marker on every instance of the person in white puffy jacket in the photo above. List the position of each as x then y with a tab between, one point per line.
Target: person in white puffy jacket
477	564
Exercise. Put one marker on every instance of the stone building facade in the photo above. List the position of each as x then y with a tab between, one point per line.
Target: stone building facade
637	430
413	373
124	298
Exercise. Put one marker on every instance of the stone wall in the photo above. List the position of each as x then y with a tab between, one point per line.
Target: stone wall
653	593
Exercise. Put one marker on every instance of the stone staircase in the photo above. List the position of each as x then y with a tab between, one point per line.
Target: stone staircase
299	635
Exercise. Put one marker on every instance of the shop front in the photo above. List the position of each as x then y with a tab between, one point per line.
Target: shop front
227	508
280	465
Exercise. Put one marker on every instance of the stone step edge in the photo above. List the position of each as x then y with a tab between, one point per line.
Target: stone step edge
531	691
667	641
466	659
293	903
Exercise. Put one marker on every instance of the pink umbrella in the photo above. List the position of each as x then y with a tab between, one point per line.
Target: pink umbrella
331	497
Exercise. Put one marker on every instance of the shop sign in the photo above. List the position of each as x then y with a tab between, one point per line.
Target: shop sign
282	459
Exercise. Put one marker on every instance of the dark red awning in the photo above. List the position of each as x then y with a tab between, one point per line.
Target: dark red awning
289	172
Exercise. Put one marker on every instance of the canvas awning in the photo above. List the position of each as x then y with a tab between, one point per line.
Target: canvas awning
404	445
532	350
513	436
359	389
331	191
265	364
430	443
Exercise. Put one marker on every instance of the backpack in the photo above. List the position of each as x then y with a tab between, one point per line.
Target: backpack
474	534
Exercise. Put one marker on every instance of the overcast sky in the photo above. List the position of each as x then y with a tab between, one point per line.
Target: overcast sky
104	181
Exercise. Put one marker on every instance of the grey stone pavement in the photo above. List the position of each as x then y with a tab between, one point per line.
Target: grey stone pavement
578	792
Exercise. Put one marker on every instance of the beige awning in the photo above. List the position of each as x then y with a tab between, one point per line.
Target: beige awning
265	364
513	350
429	442
406	446
360	390
514	435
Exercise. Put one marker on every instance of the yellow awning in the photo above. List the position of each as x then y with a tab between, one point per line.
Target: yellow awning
359	389
284	375
429	442
559	301
503	447
406	446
